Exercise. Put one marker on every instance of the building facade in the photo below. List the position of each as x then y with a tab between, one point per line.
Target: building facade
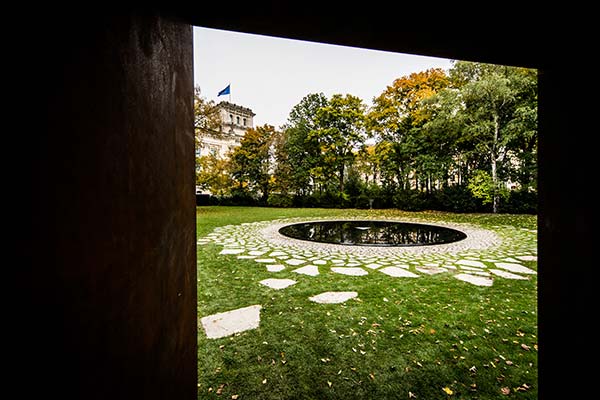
235	120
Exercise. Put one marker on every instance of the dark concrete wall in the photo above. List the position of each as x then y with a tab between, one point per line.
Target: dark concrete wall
115	262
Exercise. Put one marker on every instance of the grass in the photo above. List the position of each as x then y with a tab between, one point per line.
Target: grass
429	338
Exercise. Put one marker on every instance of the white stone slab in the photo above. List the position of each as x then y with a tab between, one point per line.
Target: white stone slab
256	252
405	266
231	251
244	257
277	283
398	272
469	268
431	270
319	262
373	266
449	266
295	261
265	260
275	268
311	270
527	258
507	275
352	271
471	263
513	267
475	280
277	254
230	322
333	297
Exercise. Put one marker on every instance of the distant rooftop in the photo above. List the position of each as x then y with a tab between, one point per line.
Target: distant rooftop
235	107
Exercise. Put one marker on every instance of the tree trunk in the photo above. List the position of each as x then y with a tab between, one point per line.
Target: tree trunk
494	158
342	179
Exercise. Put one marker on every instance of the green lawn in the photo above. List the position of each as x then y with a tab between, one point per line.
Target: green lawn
434	337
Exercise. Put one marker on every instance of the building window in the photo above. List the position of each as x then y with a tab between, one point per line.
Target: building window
231	118
244	121
238	120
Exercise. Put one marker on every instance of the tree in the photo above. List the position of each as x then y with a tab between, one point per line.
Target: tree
297	152
213	175
251	162
397	117
207	118
500	109
340	133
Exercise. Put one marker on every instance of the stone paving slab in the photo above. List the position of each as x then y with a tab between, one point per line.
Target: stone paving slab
231	322
275	268
398	272
277	284
232	251
475	280
431	270
333	297
507	275
512	267
352	271
471	263
295	261
311	270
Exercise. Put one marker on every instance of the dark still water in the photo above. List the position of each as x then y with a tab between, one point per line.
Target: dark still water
372	233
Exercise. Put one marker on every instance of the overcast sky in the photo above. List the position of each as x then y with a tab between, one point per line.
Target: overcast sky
271	75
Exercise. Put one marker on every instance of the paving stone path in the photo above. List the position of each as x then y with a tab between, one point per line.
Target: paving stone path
485	255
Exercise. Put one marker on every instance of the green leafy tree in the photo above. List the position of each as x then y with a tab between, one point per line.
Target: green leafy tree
500	113
251	162
397	117
297	152
340	133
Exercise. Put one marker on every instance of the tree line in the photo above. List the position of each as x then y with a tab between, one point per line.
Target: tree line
465	140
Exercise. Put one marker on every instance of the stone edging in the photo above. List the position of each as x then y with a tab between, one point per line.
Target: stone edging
477	239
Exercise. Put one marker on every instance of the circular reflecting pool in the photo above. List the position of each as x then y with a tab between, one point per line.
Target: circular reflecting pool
372	233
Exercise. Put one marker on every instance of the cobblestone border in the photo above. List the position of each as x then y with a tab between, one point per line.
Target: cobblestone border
477	239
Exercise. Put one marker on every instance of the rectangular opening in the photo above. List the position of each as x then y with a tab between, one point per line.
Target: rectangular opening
377	136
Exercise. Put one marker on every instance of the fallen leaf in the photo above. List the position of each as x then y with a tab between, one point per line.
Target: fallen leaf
411	395
473	369
508	362
525	347
235	396
264	381
431	331
329	383
448	391
372	376
505	391
220	388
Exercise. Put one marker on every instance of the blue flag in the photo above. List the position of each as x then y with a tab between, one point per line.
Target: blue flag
227	90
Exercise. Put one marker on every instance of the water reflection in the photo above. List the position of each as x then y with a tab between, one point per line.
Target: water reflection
372	233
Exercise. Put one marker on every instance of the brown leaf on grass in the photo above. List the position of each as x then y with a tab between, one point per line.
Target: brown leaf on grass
525	347
411	395
505	391
372	376
235	396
